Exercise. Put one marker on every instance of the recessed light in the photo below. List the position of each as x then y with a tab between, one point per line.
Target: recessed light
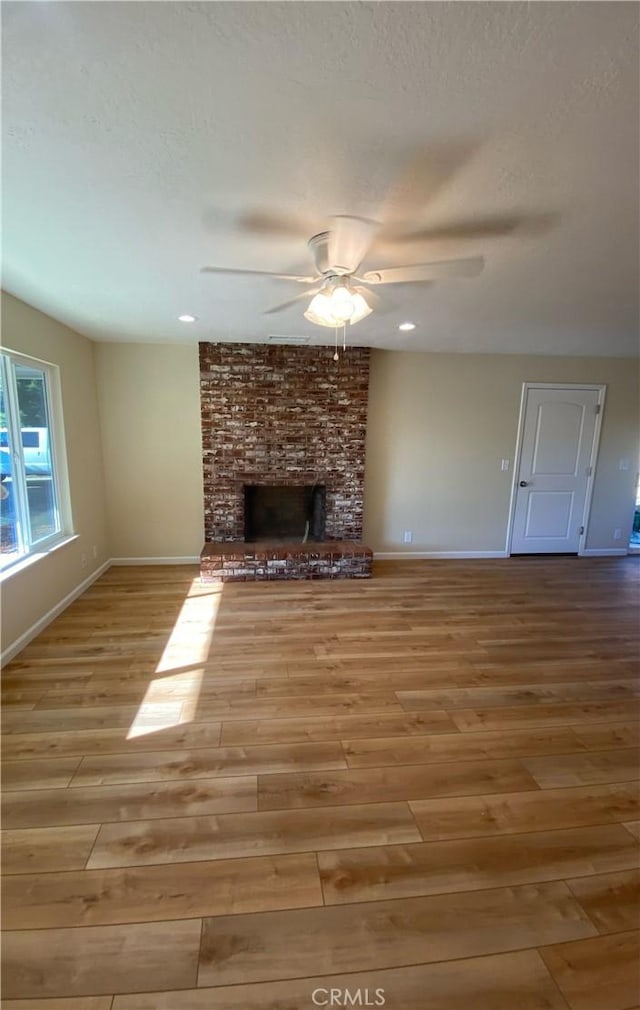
186	318
407	326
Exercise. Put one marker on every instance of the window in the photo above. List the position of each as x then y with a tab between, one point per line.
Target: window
30	467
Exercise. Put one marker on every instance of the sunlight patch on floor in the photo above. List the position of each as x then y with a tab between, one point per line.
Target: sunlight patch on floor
172	698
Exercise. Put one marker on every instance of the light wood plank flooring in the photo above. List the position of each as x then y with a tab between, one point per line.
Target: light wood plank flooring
229	798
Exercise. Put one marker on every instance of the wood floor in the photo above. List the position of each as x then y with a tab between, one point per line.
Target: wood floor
244	797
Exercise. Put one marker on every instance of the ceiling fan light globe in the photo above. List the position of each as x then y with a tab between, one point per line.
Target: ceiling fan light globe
320	311
341	302
342	311
360	308
327	310
341	294
319	320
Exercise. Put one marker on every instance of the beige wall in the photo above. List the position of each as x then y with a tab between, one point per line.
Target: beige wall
439	426
150	418
27	595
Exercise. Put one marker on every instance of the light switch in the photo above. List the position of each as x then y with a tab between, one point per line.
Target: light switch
504	465
623	464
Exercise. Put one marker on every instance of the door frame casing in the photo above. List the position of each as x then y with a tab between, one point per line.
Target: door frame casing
601	388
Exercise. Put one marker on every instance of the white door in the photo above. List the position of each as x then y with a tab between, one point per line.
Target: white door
557	447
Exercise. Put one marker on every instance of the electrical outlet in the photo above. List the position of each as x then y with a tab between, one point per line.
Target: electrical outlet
83	560
407	537
617	534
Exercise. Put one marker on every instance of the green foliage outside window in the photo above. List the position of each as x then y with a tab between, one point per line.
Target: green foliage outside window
33	411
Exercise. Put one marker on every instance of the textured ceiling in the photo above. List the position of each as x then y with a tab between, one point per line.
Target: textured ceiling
139	137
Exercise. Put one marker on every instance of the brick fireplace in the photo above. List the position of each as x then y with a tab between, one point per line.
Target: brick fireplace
283	438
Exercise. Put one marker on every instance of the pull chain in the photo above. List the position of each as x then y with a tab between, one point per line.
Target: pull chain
336	356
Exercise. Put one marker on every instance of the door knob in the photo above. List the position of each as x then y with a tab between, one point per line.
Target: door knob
523	483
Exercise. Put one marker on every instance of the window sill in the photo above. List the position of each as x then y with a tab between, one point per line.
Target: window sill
34	556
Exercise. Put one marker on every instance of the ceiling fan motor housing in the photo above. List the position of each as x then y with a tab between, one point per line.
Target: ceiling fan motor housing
319	248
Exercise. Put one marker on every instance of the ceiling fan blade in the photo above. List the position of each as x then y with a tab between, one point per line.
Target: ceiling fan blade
259	222
259	273
349	241
292	301
482	227
416	272
429	170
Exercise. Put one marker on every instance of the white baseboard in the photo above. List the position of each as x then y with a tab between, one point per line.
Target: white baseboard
35	629
418	555
605	552
156	561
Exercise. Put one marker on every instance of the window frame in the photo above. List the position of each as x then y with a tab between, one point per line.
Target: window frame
27	547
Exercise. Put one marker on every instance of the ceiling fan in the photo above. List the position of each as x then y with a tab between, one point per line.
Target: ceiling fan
339	293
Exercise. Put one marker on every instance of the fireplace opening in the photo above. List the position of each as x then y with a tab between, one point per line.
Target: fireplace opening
287	513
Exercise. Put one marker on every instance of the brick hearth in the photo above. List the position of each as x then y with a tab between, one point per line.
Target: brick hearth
242	562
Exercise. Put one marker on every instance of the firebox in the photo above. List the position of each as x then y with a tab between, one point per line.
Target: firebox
288	513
